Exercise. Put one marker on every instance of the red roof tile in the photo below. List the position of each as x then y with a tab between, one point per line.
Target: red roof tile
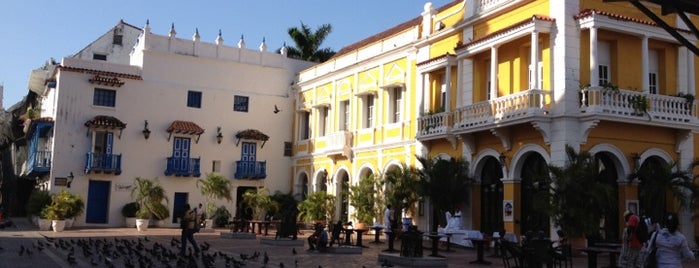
185	127
110	81
590	12
252	134
105	121
98	72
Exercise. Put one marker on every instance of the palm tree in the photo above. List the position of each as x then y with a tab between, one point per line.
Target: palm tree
214	187
260	202
402	189
657	179
446	183
148	194
308	43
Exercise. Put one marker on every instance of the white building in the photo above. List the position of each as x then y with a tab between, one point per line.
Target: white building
177	110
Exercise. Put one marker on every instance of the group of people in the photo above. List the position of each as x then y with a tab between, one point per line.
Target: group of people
670	245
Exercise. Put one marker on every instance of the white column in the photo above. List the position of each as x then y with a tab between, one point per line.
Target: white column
425	93
447	82
594	78
644	65
682	70
493	73
691	87
534	62
459	86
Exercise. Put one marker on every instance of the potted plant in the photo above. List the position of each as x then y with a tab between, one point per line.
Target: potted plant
76	208
319	206
160	213
221	216
129	212
214	187
260	202
38	201
148	193
366	198
60	209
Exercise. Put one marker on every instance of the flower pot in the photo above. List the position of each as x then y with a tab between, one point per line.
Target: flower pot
209	224
69	222
58	225
142	224
44	224
130	222
159	223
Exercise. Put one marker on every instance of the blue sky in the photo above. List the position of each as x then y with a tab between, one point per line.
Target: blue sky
34	31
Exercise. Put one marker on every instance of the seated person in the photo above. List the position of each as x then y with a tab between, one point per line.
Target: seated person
336	231
319	239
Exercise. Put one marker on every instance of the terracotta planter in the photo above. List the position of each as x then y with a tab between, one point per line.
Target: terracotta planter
576	243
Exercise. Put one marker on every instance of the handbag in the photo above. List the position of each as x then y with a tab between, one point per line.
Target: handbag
648	254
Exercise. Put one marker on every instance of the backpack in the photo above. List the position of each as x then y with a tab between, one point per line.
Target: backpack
642	231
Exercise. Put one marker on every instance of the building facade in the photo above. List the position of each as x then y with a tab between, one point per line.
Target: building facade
505	85
170	108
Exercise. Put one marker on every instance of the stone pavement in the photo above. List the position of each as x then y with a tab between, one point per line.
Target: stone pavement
111	240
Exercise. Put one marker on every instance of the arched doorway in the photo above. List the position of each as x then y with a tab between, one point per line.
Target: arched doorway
321	181
491	196
534	176
343	192
653	190
303	183
608	175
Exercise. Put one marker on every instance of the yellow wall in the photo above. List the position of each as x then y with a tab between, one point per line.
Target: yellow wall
508	19
626	9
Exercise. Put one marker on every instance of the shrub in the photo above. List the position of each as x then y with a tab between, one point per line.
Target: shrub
129	210
38	200
221	216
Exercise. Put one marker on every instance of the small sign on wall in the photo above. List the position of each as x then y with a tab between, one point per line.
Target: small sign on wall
60	181
122	187
507	210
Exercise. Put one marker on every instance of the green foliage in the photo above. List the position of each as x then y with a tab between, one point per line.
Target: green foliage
318	206
214	187
367	198
308	43
149	194
160	211
402	189
609	86
446	183
221	216
64	205
575	198
688	96
38	200
260	202
659	179
129	210
288	206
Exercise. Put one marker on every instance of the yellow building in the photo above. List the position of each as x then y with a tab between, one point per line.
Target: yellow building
505	85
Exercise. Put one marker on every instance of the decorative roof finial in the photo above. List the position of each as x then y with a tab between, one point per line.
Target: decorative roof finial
172	30
219	38
241	43
263	46
196	36
146	29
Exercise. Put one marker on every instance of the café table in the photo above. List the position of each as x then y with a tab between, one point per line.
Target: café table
348	236
435	244
377	231
360	232
592	253
479	243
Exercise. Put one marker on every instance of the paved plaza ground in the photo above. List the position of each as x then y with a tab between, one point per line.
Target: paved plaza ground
43	249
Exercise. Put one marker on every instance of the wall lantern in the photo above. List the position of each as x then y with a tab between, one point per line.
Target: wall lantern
636	161
219	136
69	179
502	159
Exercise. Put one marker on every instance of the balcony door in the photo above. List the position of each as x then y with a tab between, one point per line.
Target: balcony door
104	141
248	157
180	153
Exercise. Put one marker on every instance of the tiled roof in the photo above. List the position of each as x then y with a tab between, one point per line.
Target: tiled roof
98	72
391	31
185	127
103	80
590	12
252	134
105	121
518	24
434	59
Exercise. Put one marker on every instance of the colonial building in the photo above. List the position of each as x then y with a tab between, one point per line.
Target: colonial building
505	85
138	104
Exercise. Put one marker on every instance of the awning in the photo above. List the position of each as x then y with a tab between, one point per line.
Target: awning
105	121
252	134
186	128
105	80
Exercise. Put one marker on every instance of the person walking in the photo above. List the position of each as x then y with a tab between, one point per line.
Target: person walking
671	244
189	219
631	244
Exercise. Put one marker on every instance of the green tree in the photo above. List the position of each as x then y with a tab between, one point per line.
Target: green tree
260	202
657	179
318	205
214	187
308	43
402	189
446	183
575	197
148	194
367	199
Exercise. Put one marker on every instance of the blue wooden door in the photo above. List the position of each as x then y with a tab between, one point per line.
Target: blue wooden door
179	201
248	156
97	202
180	153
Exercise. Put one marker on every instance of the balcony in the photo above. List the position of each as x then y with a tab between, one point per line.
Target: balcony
339	143
250	170
621	105
39	162
434	126
103	163
183	167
